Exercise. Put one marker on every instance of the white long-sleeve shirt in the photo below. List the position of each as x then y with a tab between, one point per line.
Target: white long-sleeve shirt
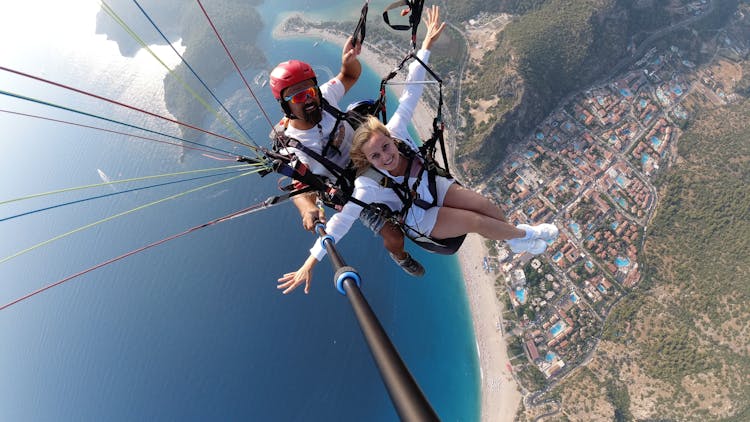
368	190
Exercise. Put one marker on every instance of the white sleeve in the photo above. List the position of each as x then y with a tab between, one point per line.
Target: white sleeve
407	103
333	91
338	226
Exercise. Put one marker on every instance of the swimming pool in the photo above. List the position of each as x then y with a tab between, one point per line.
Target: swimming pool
622	262
557	256
573	298
655	141
576	229
521	295
558	328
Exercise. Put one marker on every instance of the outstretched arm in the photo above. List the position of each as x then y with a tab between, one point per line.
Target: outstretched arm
291	281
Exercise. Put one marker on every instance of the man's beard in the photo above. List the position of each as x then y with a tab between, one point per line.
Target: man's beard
314	116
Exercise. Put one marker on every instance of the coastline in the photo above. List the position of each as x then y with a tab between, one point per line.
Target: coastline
500	395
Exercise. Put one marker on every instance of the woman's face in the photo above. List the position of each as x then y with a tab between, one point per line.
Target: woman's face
381	152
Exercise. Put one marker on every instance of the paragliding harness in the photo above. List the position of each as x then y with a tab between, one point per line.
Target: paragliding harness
407	193
409	197
333	192
336	193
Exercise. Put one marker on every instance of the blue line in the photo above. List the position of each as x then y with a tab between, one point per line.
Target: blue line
250	138
10	94
118	193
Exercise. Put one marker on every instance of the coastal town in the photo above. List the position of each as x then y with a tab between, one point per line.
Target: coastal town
590	168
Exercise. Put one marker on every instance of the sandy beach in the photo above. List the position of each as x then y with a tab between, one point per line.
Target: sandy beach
500	394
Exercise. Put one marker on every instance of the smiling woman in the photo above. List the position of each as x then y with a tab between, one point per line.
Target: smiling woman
183	331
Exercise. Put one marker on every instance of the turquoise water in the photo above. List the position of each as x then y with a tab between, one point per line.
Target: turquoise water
622	202
655	141
622	262
573	298
576	229
601	288
195	329
589	264
644	158
550	356
614	225
521	295
539	136
557	328
557	256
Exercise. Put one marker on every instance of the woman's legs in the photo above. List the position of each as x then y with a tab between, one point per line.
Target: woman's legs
452	222
463	198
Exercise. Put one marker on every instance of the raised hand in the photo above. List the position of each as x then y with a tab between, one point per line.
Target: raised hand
434	27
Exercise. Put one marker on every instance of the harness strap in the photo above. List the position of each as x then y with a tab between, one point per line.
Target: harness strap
360	30
415	6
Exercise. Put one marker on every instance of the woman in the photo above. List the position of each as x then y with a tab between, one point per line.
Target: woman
458	210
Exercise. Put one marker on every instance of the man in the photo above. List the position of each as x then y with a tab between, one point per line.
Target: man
294	84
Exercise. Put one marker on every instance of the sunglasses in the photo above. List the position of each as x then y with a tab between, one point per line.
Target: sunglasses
302	96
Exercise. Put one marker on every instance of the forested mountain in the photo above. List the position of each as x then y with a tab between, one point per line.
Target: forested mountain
550	49
240	25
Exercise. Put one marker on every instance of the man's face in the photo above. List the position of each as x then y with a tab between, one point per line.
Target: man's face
304	102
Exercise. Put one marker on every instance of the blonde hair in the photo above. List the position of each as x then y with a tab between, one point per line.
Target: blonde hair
364	132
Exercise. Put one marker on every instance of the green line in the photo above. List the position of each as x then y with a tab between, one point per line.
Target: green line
47	242
135	179
195	95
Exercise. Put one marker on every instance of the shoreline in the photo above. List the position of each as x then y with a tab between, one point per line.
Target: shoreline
500	395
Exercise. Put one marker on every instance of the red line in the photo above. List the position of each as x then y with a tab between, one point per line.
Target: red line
112	131
118	103
133	252
221	40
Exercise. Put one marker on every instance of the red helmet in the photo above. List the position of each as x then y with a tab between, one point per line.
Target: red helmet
289	73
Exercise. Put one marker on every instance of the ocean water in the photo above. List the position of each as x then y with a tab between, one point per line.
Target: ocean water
194	329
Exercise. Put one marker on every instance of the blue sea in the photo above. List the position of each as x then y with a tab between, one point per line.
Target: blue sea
193	329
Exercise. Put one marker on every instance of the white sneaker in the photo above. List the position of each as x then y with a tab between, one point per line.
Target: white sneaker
541	231
532	246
